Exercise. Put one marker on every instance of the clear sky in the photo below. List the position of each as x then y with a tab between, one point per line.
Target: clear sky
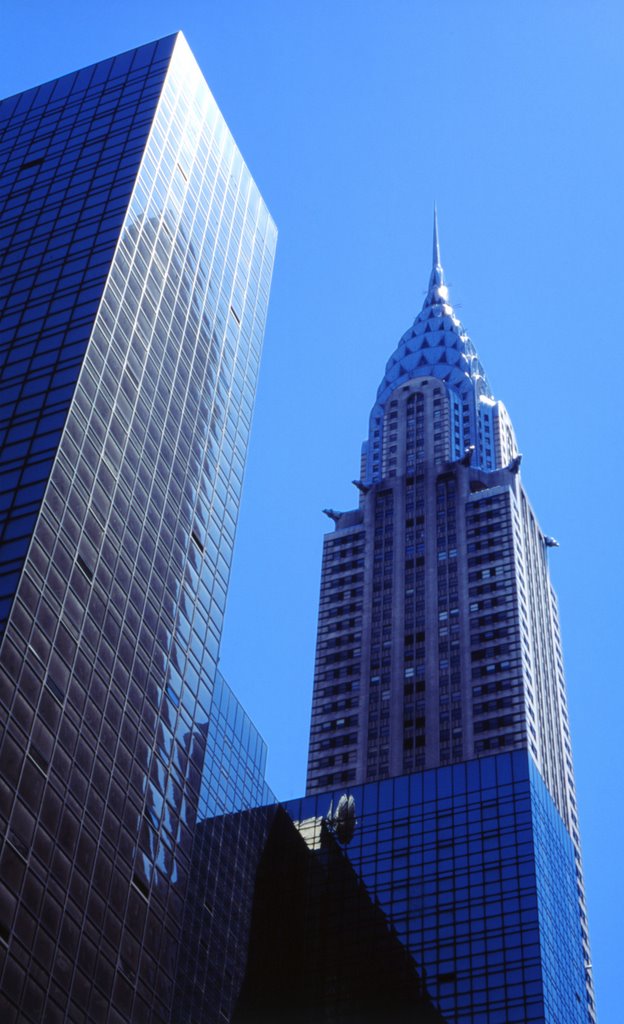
354	117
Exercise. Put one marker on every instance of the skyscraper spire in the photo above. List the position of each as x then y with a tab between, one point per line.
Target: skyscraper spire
437	272
436	240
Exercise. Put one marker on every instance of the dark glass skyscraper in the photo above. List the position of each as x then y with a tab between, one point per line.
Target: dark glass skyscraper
136	262
438	637
474	871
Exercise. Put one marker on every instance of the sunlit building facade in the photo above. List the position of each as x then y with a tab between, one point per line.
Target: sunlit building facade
438	636
136	262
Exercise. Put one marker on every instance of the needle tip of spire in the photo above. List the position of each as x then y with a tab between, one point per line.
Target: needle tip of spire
437	273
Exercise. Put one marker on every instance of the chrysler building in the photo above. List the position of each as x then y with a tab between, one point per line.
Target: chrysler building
438	634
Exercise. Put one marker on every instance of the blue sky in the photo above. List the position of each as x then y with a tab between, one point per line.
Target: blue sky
354	117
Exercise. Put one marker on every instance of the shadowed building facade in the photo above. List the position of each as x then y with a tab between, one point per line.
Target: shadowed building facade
322	947
438	636
446	895
474	873
136	263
